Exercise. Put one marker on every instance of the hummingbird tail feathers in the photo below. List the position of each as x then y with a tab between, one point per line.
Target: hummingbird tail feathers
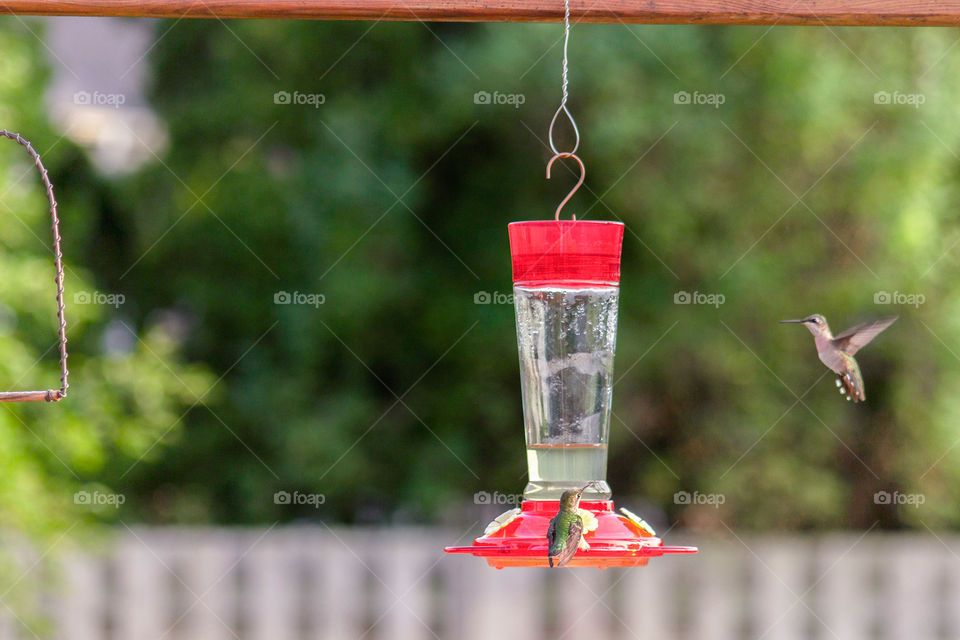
852	386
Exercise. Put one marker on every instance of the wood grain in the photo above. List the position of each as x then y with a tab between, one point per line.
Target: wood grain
758	12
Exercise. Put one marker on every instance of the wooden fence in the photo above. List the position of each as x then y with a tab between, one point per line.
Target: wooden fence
396	584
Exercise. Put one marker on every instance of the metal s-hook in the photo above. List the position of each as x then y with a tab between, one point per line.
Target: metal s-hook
49	395
583	175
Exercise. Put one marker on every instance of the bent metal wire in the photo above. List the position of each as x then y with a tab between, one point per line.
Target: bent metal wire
572	153
49	395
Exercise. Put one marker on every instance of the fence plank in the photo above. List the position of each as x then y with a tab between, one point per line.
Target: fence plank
779	569
80	606
843	592
342	573
950	559
494	603
270	593
401	587
910	583
208	583
8	626
715	612
649	600
140	606
582	611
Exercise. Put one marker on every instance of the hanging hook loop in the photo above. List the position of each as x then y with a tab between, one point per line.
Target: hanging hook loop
583	175
49	395
564	91
576	131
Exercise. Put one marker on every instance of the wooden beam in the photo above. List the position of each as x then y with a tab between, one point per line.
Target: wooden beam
759	12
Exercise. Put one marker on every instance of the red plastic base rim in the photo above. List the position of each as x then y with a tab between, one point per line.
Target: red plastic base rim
616	541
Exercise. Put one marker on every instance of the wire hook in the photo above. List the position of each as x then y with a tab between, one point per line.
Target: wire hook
564	93
572	154
576	130
583	174
47	395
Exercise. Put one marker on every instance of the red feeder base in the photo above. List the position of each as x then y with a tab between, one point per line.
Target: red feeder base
617	541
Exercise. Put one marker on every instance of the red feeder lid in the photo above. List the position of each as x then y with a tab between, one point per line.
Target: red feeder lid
567	252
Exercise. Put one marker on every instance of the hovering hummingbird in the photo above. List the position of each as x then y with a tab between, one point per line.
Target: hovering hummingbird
837	352
565	533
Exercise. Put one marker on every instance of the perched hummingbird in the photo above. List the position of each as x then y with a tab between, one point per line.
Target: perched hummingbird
837	352
565	533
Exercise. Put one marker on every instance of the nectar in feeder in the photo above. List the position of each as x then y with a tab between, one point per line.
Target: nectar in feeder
566	291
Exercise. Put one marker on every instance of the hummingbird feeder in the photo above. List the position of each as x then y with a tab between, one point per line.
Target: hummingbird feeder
566	285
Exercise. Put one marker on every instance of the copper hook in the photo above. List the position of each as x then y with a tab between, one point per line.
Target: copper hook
583	175
48	395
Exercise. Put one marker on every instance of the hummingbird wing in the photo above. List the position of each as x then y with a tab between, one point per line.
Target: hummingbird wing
855	338
572	542
551	539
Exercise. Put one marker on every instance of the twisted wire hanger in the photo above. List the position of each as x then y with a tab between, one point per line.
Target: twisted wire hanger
572	153
49	395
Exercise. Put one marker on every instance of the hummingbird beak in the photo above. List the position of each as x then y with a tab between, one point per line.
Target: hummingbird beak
786	321
589	484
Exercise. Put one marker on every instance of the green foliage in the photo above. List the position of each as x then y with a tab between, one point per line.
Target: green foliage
296	198
123	404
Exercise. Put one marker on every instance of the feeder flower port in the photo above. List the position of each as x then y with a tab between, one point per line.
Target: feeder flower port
566	276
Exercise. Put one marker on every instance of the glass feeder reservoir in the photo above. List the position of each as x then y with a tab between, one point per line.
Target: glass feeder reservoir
566	289
566	277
